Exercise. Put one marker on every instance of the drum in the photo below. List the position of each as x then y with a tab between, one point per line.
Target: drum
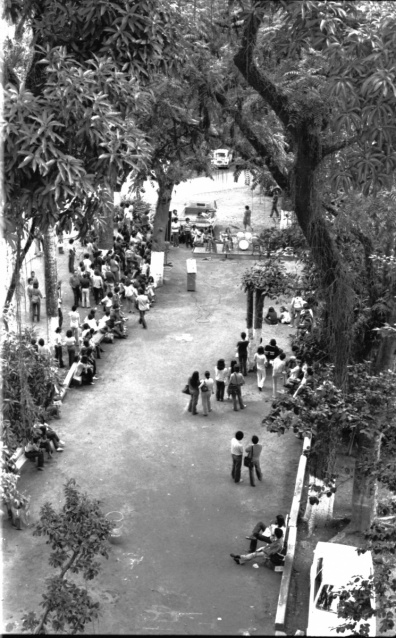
240	235
243	244
248	236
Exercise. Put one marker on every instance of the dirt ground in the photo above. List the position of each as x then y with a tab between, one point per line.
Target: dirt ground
131	442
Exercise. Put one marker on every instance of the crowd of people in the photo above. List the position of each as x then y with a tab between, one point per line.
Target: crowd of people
289	374
118	281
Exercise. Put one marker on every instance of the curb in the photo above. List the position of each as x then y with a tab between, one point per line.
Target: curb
280	618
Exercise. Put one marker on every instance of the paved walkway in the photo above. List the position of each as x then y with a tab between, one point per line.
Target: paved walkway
131	443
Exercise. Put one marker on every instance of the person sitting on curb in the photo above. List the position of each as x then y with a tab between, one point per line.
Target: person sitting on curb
47	432
284	316
263	552
266	533
33	451
107	301
308	381
83	372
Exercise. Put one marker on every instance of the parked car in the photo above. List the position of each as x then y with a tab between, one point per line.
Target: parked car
222	158
202	214
335	566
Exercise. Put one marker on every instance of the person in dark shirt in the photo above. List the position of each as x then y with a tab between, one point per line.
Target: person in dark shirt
271	316
271	351
242	347
275	198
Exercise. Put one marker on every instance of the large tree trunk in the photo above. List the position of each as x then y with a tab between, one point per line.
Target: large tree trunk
364	494
249	324
161	219
17	268
50	272
258	318
106	229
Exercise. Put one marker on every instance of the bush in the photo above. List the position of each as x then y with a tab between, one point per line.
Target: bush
29	383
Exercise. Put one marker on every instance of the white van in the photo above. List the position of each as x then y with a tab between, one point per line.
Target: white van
334	566
222	158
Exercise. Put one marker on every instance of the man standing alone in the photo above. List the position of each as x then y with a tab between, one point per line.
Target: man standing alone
247	216
242	347
236	454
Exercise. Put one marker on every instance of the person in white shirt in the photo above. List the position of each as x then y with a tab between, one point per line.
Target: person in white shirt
42	349
206	387
58	342
278	371
284	315
175	229
74	317
221	376
237	454
260	360
143	305
297	304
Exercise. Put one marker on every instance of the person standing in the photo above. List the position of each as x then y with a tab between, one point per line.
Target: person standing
175	228
29	291
278	372
187	233
253	451
247	216
297	304
58	347
221	374
36	301
193	386
143	305
206	388
97	286
70	343
74	282
260	360
59	296
242	347
275	198
236	383
85	283
74	317
72	255
236	455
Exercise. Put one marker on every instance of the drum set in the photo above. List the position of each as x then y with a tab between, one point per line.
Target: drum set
241	241
244	240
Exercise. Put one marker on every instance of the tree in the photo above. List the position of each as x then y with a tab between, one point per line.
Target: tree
78	534
70	132
28	386
266	279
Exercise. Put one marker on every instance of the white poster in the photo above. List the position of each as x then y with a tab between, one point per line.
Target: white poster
157	267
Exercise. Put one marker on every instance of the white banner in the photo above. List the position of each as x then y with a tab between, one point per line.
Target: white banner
157	267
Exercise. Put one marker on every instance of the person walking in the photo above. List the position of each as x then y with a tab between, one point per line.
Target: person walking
36	301
278	372
253	451
242	347
221	374
143	305
247	216
236	383
260	360
206	388
236	455
97	286
72	255
275	198
193	386
297	304
74	282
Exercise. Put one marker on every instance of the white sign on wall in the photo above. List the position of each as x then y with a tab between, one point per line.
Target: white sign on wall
157	267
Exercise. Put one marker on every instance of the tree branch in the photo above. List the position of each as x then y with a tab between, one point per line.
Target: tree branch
329	149
260	148
243	60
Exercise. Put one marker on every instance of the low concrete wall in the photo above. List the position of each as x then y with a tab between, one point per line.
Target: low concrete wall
280	618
